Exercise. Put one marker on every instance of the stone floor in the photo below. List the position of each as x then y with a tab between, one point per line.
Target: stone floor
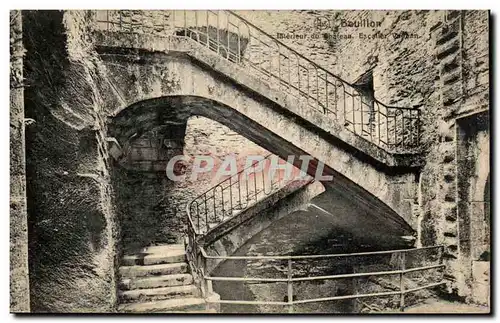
438	306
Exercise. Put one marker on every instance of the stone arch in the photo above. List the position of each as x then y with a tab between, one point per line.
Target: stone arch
174	110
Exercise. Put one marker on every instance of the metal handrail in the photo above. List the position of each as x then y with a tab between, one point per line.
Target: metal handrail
333	255
290	279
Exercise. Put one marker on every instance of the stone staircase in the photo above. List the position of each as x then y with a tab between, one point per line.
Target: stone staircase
157	280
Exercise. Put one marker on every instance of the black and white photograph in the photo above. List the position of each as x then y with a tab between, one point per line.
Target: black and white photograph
217	161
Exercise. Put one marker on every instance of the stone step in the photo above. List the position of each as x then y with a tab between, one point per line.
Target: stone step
156	281
164	306
156	255
153	270
154	294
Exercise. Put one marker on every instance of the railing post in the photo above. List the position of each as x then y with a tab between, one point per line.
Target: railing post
355	291
218	31
290	286
402	256
203	270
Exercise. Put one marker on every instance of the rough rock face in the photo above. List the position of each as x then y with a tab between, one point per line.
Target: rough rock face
70	210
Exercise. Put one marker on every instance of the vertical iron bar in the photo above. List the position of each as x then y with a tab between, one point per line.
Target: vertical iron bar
206	209
401	282
198	215
289	75
403	129
196	23
264	183
378	123
418	126
387	127
353	115
308	86
317	85
395	132
215	205
326	93
239	191
239	44
246	179
298	78
230	195
203	271
355	290
227	35
222	203
173	22
279	67
255	184
218	31
208	30
290	286
107	20
441	261
362	123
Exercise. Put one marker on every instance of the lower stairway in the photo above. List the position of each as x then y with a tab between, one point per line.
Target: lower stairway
157	280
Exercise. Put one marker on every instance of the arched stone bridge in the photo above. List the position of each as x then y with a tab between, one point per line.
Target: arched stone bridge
155	81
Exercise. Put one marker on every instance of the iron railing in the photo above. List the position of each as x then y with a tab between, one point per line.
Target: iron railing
236	193
395	129
406	258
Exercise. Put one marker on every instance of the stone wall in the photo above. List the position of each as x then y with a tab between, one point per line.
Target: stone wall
152	206
19	280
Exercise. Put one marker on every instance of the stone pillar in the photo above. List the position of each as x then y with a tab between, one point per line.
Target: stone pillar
19	279
73	232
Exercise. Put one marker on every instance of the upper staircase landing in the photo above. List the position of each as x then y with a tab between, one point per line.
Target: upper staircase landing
282	75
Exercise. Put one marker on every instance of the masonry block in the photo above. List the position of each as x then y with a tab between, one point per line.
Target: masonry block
450	229
450	63
449	173
451	94
452	77
450	190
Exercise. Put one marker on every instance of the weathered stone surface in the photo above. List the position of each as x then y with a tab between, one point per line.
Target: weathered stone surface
72	228
74	236
266	122
19	278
